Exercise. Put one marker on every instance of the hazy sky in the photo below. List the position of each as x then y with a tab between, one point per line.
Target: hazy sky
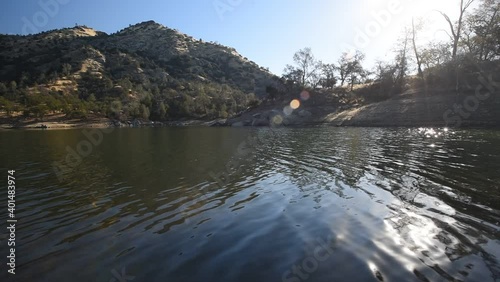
266	31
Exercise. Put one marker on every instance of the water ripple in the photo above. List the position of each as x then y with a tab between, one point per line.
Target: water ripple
396	205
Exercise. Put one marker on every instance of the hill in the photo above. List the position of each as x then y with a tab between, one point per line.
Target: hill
145	71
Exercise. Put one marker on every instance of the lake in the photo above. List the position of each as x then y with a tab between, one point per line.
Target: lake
254	204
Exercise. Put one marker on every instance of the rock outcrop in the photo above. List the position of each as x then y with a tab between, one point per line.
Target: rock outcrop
441	110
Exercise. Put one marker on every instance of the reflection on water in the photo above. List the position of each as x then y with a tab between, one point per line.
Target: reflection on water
391	204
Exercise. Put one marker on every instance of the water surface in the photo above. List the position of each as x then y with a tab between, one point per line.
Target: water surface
210	204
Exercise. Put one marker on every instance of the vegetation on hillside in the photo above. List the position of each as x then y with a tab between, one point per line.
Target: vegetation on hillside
82	76
471	56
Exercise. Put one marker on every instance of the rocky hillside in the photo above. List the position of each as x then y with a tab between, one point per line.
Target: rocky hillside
146	70
417	110
414	108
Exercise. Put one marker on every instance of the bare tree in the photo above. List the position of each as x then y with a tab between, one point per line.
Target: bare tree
456	29
305	71
415	50
305	61
402	57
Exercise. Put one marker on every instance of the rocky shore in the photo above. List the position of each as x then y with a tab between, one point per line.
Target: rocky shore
60	122
411	110
407	111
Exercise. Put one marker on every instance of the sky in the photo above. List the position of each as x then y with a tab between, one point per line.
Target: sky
268	32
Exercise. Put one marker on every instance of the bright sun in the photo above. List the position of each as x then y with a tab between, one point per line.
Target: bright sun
434	28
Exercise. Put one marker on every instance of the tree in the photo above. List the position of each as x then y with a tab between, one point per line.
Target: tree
328	75
385	73
343	63
39	108
92	84
66	69
3	89
350	68
315	76
401	65
42	78
144	112
162	110
25	79
292	74
356	72
305	73
147	100
456	29
115	108
482	31
385	81
6	105
159	110
53	104
12	92
415	50
435	54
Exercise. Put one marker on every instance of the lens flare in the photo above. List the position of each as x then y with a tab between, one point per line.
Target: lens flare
295	104
277	120
304	96
288	110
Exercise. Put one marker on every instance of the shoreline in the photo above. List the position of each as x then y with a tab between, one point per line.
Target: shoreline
53	125
61	123
195	123
403	111
56	121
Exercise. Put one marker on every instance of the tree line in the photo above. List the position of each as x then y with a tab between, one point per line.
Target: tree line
473	45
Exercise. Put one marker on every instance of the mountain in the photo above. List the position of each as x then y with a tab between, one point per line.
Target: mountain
146	70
